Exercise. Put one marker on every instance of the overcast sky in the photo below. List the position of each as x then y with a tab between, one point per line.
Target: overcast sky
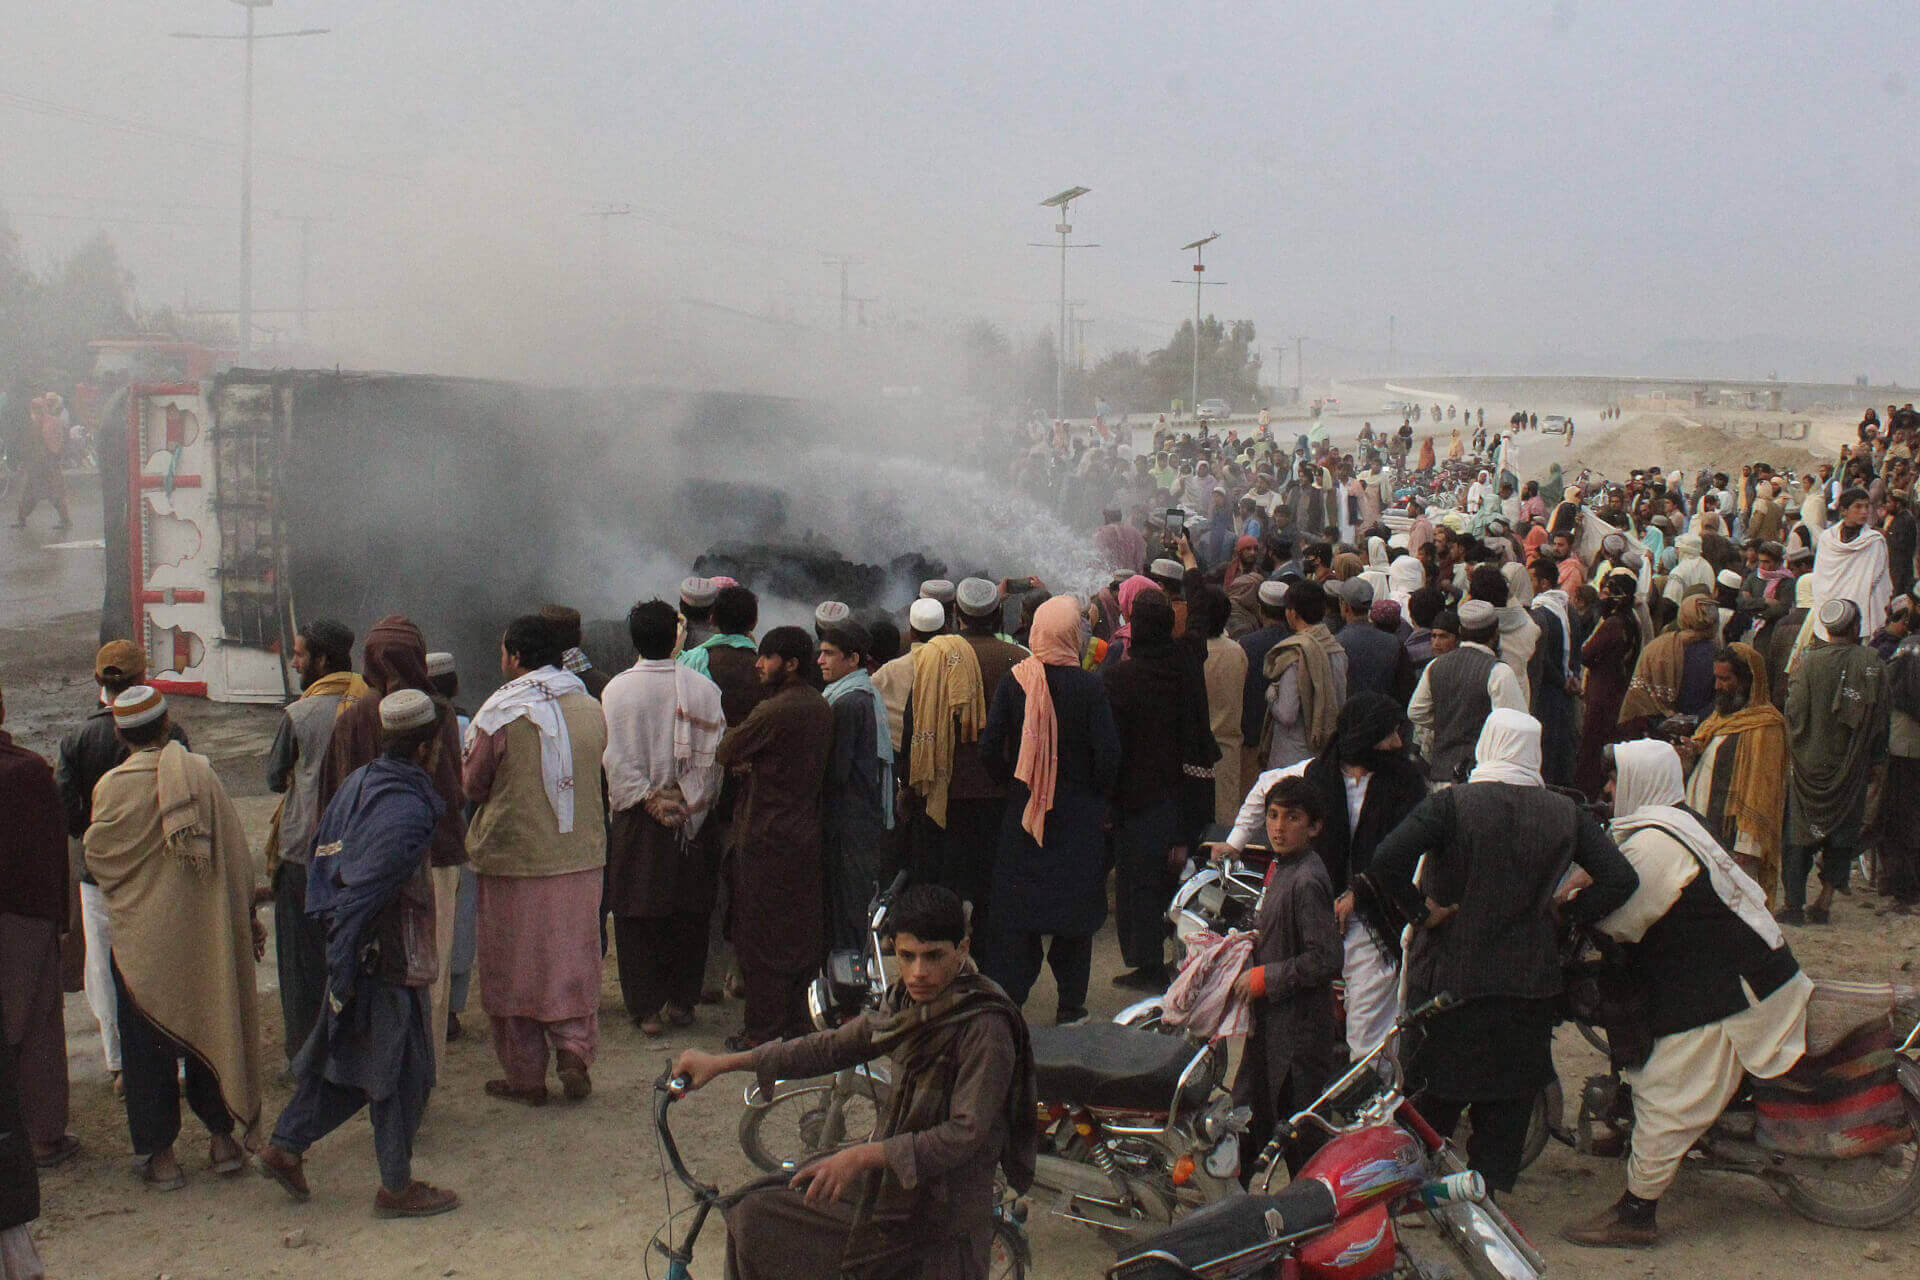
1520	184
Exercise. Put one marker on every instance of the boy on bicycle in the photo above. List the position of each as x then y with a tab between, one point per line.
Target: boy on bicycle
918	1199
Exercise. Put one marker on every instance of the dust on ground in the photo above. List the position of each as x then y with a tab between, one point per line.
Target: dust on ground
576	1189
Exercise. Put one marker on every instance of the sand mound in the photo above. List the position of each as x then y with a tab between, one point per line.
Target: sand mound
1674	443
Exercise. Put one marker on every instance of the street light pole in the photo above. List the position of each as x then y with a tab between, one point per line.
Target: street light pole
246	160
1063	202
1200	282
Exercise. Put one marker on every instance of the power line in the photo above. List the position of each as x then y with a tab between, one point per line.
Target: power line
141	129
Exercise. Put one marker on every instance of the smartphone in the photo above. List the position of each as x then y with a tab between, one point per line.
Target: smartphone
1175	519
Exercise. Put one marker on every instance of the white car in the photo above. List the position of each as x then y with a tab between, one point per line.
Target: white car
1213	410
1553	424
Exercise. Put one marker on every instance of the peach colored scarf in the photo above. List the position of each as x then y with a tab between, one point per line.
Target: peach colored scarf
1055	638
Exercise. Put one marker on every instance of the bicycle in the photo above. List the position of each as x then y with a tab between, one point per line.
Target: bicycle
1008	1260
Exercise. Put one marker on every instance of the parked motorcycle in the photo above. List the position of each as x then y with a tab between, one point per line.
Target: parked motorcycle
1338	1218
1863	1185
1135	1127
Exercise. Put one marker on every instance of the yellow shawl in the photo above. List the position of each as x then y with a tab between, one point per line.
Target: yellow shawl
1757	790
946	685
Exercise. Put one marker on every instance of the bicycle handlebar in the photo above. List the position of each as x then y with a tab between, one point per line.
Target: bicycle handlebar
668	1089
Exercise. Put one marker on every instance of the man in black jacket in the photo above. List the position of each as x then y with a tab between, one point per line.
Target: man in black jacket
1485	933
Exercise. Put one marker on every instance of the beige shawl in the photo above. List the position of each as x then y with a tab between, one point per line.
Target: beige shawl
171	856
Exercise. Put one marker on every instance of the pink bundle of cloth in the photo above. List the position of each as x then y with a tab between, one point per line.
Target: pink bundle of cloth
1201	998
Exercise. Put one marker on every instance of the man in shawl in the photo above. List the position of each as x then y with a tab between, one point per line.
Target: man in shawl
727	648
1726	999
857	801
1122	547
1675	673
565	621
918	1198
1486	930
87	754
538	841
664	724
778	896
1837	713
323	663
959	804
170	853
34	913
1850	563
1307	681
370	887
394	657
1557	666
926	621
1739	758
1460	688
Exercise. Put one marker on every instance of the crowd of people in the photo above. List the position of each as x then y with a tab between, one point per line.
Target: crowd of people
1341	662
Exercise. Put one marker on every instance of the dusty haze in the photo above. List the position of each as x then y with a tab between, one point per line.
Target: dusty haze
1635	187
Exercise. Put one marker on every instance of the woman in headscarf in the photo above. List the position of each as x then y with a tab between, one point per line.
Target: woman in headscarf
1608	657
1376	571
1486	932
1675	673
1123	634
1455	449
1050	739
1426	452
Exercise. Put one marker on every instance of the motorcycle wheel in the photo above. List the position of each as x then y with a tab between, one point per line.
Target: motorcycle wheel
1871	1191
1008	1257
791	1129
1549	1110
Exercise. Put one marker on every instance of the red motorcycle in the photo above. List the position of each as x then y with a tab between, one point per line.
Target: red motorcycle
1338	1219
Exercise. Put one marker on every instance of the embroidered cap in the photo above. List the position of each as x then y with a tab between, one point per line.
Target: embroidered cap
937	589
142	704
440	664
977	597
830	612
1840	615
405	709
698	593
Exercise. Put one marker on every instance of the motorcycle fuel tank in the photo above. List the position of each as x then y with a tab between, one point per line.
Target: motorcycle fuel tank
1373	1165
1355	1248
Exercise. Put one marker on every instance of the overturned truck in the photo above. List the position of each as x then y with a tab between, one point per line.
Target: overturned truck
242	506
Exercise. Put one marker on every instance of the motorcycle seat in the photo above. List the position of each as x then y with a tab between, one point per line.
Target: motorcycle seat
1226	1229
1103	1065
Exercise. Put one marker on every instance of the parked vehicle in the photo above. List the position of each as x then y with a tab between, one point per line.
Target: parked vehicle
1339	1217
1213	410
1553	424
1864	1185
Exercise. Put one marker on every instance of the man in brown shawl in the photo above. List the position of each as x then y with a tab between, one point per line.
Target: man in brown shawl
1307	682
394	658
1739	759
170	853
778	905
917	1200
1675	673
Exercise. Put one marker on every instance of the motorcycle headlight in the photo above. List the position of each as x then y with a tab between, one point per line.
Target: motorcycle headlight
820	1004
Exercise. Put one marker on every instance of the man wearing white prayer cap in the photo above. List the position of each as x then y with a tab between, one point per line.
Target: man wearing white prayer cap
829	613
1460	688
1838	709
925	620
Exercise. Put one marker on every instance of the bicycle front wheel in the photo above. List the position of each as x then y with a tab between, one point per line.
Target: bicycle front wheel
805	1119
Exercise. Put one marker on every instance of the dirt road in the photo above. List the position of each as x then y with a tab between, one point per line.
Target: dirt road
576	1190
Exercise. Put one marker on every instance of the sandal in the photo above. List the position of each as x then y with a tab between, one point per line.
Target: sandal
143	1170
228	1165
679	1017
